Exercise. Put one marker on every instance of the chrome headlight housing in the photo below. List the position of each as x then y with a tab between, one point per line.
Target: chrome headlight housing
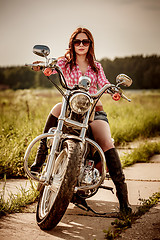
80	103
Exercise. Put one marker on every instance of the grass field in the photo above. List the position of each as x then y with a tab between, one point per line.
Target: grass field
24	112
139	118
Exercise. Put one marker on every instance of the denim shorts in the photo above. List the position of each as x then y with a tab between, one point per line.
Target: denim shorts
101	115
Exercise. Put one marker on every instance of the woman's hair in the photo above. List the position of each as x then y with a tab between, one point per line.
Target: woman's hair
71	55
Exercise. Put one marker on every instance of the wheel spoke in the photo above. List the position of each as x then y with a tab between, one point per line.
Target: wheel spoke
50	192
54	198
55	185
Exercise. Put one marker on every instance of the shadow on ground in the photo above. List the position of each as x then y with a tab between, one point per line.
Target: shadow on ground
76	224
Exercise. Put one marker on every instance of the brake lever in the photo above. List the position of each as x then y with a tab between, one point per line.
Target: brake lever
116	89
125	97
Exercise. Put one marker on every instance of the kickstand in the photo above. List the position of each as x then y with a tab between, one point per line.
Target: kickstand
82	204
107	188
86	208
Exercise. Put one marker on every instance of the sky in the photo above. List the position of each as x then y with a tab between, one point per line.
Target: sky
120	27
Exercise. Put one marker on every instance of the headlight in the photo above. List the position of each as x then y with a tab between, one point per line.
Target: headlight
80	103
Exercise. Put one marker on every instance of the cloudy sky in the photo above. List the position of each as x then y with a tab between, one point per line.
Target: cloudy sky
120	27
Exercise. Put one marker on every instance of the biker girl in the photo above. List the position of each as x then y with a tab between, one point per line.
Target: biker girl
80	60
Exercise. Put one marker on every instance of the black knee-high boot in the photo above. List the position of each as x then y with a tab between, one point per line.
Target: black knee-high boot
43	150
117	176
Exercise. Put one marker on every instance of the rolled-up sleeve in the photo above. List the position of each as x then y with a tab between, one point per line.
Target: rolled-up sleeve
61	63
101	79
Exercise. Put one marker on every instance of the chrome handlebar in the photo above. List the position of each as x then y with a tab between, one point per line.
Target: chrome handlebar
109	88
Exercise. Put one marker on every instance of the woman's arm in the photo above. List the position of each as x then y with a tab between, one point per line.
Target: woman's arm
61	63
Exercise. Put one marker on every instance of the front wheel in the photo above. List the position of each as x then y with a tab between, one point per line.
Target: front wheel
54	199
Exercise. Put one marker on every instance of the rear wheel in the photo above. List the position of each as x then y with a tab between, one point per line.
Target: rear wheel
54	199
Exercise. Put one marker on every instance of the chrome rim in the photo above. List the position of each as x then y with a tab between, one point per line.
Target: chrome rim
50	192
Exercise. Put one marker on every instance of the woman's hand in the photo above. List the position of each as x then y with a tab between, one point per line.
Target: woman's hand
47	72
116	96
36	68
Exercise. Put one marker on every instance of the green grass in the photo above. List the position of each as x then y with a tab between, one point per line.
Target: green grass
16	202
141	154
24	112
139	118
23	117
126	221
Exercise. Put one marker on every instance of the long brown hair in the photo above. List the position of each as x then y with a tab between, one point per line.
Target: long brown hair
71	55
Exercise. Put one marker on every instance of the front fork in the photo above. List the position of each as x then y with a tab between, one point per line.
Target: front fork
56	140
51	160
57	135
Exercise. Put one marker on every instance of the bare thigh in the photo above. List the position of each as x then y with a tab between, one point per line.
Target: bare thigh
56	110
102	134
100	129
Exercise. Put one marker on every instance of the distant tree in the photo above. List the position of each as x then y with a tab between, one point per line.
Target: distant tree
145	72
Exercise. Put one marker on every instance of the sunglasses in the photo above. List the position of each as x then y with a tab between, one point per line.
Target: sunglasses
85	42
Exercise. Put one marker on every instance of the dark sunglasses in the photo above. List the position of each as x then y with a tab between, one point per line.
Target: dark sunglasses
85	42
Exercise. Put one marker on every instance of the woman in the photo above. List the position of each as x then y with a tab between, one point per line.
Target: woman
80	60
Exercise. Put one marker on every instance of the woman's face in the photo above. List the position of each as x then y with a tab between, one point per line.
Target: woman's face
81	48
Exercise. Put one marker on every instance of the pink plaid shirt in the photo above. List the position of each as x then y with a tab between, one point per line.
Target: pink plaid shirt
73	76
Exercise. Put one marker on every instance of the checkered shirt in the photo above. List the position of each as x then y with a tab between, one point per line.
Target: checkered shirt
73	76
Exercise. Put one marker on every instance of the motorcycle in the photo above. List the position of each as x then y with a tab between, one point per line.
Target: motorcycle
70	168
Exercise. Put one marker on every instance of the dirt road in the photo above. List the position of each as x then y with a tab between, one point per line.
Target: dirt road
143	180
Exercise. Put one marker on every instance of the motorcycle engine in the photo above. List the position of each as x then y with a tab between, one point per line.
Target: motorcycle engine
89	175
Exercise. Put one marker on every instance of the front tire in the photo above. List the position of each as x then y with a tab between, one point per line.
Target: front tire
54	199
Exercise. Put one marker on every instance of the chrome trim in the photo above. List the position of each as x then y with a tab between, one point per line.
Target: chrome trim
26	156
75	123
45	180
59	134
51	159
103	89
78	95
103	161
